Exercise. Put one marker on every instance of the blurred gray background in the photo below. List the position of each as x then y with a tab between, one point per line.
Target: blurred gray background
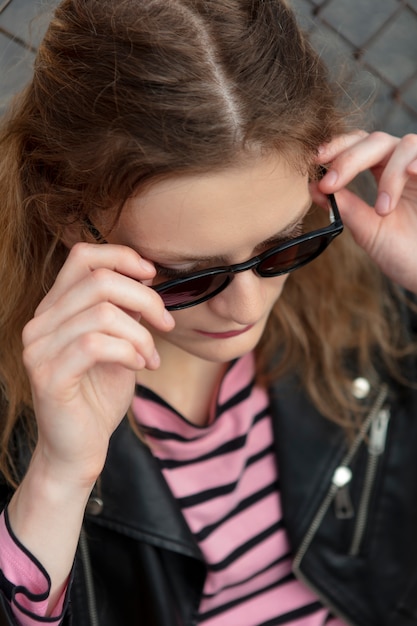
374	41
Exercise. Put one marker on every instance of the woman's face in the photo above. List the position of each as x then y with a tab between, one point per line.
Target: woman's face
189	223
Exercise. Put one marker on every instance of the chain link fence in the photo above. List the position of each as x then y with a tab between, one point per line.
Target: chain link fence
373	41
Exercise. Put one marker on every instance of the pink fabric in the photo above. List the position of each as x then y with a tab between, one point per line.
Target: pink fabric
21	569
213	470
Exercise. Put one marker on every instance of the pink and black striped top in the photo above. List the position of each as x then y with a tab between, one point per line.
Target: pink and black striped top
225	478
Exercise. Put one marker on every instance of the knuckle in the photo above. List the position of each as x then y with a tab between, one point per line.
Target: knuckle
28	357
105	314
79	250
379	135
28	332
89	343
359	132
37	371
100	274
410	141
101	279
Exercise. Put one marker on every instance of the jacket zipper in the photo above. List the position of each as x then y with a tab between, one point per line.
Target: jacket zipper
333	489
89	585
376	447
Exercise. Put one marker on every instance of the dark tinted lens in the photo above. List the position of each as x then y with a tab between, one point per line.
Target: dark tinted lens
194	289
294	256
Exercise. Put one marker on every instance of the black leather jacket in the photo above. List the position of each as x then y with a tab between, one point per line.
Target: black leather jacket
355	544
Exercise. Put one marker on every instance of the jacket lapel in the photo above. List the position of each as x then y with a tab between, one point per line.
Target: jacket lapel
136	499
309	448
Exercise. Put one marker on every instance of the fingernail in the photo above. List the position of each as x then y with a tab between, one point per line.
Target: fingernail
331	177
383	203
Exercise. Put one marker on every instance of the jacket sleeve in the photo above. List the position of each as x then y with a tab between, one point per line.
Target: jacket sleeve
24	583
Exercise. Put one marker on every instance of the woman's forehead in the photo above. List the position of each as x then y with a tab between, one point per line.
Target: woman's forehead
257	200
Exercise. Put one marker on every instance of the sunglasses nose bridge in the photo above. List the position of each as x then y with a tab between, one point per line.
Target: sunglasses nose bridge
244	267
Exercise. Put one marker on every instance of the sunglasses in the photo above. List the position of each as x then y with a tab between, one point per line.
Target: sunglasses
284	258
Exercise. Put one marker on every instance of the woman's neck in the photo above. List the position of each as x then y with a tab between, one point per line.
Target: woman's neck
185	381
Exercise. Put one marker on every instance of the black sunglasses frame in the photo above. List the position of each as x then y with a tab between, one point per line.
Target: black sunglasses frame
328	233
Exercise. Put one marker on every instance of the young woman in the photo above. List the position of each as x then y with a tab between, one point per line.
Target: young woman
198	425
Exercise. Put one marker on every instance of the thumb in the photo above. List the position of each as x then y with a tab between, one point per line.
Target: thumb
356	214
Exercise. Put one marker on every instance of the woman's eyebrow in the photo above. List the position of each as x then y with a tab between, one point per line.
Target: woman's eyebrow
281	235
289	230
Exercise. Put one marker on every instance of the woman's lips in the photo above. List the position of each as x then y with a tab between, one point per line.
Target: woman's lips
225	335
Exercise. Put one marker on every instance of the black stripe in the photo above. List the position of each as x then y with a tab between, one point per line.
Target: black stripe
245	547
230	605
289	617
282	558
259	416
148	394
240	396
279	620
259	455
222	490
225	448
157	433
244	504
168	435
208	494
229	446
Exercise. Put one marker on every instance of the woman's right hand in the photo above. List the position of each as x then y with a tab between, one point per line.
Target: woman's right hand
81	351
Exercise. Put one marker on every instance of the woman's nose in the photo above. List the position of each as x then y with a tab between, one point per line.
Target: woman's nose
243	300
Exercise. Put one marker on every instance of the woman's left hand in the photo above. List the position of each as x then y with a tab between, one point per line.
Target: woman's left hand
388	230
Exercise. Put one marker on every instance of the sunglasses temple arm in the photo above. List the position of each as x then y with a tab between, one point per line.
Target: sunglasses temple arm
333	210
93	231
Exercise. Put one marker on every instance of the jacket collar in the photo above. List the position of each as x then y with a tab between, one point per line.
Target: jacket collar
135	498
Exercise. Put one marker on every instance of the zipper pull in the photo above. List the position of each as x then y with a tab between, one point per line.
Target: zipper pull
378	434
342	500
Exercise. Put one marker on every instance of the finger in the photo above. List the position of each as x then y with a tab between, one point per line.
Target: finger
360	218
60	377
372	151
396	174
329	151
102	285
84	258
103	318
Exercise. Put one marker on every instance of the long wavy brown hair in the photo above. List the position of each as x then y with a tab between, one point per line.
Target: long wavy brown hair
125	92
